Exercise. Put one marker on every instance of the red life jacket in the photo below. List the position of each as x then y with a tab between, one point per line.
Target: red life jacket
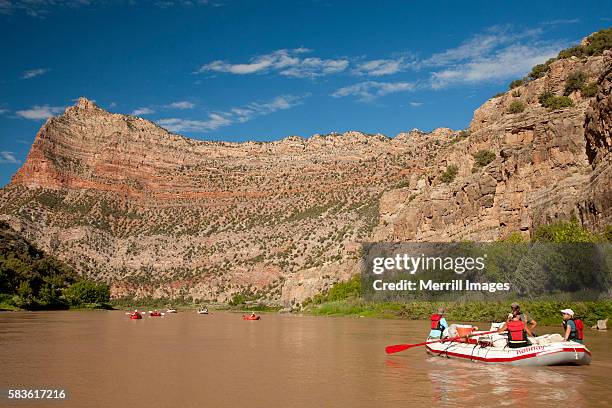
516	331
435	322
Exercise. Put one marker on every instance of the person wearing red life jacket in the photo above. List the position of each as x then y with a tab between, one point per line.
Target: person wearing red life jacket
530	324
517	332
572	328
438	324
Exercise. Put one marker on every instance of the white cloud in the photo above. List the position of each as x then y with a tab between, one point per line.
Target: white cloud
481	45
287	62
382	67
415	104
8	157
497	54
314	67
3	111
40	112
370	90
180	105
34	73
510	62
215	120
562	21
142	111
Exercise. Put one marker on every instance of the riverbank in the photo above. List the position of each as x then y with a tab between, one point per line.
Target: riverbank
10	307
128	303
545	312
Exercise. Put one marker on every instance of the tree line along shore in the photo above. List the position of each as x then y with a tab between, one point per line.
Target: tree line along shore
32	280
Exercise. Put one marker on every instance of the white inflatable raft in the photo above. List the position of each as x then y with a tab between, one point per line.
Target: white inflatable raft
545	350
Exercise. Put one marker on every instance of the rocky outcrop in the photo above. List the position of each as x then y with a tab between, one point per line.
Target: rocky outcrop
155	213
548	166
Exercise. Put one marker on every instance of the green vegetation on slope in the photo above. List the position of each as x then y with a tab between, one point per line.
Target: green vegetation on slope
596	44
343	299
30	279
449	174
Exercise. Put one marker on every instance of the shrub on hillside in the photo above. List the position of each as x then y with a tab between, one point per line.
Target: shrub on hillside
589	90
484	157
540	70
574	82
516	83
562	232
559	102
544	96
549	100
463	134
516	107
596	44
449	174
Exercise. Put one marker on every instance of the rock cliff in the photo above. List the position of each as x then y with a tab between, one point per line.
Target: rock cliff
157	214
548	165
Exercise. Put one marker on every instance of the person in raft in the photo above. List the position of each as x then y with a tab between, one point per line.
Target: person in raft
252	314
530	324
573	329
438	324
517	332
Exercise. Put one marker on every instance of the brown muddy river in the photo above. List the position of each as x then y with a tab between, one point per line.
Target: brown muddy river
103	359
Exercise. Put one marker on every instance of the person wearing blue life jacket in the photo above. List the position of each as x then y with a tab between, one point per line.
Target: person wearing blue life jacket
573	329
438	324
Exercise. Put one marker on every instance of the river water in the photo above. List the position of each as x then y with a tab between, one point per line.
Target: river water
103	359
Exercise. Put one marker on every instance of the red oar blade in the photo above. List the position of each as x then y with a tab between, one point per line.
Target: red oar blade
397	348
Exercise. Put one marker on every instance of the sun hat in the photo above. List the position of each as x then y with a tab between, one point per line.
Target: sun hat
568	311
441	310
515	305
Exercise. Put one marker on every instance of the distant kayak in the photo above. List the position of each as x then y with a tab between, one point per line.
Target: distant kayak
135	316
249	317
155	314
171	311
203	311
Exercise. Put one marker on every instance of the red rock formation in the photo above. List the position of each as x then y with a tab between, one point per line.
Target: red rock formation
155	213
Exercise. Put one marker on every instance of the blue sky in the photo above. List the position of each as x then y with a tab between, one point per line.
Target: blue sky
264	70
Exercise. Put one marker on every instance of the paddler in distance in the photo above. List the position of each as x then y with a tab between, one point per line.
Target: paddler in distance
438	324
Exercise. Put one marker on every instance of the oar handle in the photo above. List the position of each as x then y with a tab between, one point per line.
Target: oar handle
401	347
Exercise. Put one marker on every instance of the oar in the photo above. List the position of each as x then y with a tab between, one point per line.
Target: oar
401	347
